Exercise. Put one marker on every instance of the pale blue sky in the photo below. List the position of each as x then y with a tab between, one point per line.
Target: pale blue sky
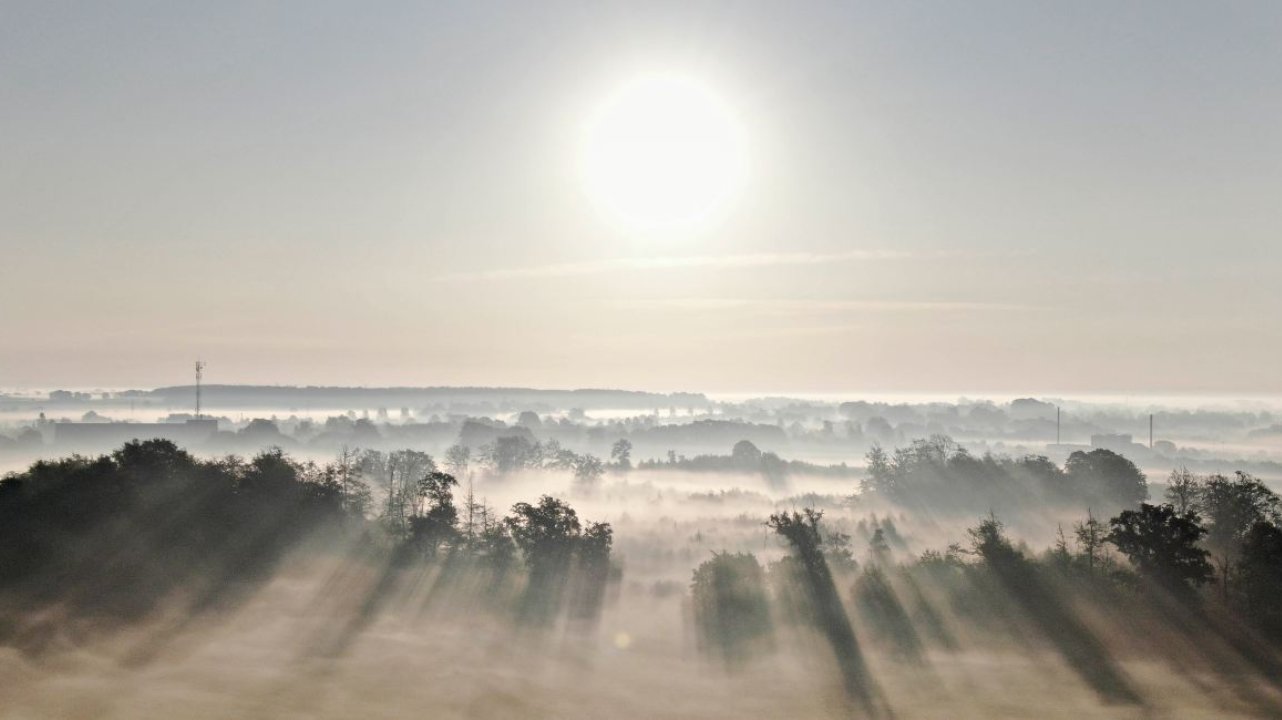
1005	197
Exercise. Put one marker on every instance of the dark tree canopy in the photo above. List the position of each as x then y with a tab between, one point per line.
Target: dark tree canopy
559	554
1163	545
1260	577
731	607
545	529
438	524
989	542
746	455
621	453
1233	507
117	534
939	474
1106	478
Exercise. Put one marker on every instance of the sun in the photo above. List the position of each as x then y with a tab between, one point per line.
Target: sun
663	152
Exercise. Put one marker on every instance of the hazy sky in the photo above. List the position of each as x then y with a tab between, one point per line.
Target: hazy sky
1007	197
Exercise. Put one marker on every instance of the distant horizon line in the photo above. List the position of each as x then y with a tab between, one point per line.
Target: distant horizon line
1176	398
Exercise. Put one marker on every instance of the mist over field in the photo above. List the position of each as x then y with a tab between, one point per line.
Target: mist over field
672	359
549	564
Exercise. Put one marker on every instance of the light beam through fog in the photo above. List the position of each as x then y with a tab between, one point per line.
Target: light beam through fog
664	360
542	563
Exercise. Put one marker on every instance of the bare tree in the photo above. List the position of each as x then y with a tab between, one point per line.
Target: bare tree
1183	489
457	460
1091	536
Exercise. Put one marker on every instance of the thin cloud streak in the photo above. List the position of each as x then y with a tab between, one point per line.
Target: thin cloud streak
596	267
788	307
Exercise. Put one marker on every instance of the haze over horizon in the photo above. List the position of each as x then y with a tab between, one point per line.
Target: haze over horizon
981	197
670	360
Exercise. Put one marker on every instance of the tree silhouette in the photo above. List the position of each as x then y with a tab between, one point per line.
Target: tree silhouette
1106	477
588	469
1233	507
1163	546
802	532
115	536
621	454
1183	490
509	453
746	456
1260	578
550	537
457	459
731	608
438	524
1091	535
1020	581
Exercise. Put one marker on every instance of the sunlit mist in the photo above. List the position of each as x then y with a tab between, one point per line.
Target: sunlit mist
640	361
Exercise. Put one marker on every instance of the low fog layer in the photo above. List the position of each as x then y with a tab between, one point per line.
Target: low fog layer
522	579
1159	434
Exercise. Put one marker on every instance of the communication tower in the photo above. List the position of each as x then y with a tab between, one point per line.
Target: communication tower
200	372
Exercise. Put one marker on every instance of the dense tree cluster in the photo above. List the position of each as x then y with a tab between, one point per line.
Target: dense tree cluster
510	453
1145	569
731	606
119	535
937	473
1241	516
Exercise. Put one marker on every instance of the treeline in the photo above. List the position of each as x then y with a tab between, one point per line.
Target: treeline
512	453
937	473
1194	585
497	399
504	454
747	458
95	542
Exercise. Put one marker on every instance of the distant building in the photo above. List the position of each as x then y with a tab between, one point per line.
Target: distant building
1117	442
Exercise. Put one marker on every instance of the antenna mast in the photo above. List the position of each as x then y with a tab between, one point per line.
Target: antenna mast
200	372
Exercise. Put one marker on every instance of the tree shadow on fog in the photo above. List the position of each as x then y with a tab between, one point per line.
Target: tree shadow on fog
568	565
925	616
91	546
731	608
1019	580
402	582
823	604
1238	659
381	588
885	616
566	574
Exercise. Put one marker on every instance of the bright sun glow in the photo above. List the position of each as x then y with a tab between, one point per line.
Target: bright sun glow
663	152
